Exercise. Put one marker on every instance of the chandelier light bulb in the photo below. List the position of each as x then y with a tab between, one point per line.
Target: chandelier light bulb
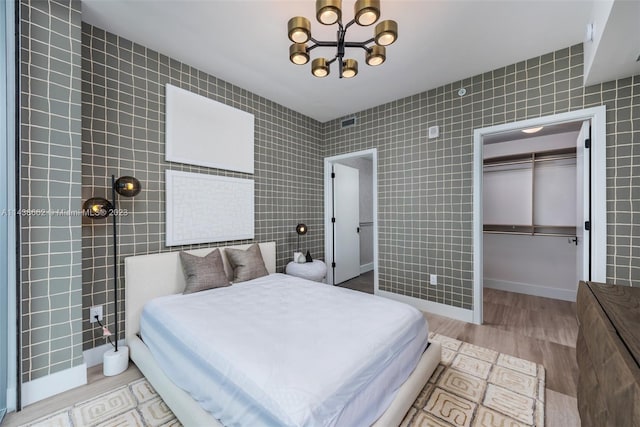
329	17
386	33
367	12
376	55
299	29
328	12
298	53
349	68
319	67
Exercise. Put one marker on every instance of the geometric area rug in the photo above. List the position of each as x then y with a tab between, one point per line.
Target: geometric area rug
476	386
472	386
133	405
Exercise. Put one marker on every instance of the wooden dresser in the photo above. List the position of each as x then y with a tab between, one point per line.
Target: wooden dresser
608	355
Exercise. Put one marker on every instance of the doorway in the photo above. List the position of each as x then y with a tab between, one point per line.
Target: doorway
590	199
532	244
351	237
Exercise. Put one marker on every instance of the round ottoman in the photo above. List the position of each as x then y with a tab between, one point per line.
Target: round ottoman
315	270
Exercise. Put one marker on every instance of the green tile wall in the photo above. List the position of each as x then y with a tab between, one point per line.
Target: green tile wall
51	258
123	134
425	186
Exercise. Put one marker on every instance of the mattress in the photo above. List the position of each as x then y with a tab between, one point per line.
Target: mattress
285	351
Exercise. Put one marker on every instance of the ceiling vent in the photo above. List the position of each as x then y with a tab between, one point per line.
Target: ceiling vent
349	122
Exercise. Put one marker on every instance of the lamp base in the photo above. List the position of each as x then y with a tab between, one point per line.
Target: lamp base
115	362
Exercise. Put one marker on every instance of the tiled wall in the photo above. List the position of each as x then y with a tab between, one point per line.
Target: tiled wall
425	185
50	187
123	134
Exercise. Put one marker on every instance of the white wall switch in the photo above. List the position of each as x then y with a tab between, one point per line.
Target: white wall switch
434	132
433	279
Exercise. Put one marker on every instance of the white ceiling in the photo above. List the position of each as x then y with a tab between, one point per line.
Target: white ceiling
439	41
517	134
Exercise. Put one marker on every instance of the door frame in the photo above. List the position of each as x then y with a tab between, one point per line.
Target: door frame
598	159
8	257
328	197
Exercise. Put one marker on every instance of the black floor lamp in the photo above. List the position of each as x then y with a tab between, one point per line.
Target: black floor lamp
115	361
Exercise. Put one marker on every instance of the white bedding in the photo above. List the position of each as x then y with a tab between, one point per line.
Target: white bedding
284	351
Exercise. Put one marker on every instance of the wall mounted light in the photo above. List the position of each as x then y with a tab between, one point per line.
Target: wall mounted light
301	230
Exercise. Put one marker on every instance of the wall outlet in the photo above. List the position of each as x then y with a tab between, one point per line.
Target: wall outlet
94	311
433	279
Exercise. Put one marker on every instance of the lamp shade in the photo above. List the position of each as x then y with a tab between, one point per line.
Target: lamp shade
367	12
298	53
328	12
319	67
299	29
376	55
349	68
127	186
386	32
97	208
301	229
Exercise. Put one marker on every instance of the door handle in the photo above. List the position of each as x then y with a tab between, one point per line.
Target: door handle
573	240
357	229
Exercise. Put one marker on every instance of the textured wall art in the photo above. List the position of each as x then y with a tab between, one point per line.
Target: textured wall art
208	208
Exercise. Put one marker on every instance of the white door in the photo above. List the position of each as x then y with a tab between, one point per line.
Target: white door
583	200
346	212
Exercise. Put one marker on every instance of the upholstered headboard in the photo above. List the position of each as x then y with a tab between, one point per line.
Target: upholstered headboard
155	275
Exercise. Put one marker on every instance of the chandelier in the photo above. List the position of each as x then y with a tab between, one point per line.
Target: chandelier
329	12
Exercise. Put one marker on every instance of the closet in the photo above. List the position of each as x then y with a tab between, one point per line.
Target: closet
529	215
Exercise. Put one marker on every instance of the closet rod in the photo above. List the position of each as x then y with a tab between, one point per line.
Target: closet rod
524	233
538	159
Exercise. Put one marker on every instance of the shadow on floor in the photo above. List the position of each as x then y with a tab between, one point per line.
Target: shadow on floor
362	283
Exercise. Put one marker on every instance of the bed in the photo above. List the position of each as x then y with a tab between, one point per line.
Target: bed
382	386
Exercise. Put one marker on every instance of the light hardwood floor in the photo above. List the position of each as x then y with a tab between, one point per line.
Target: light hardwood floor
538	329
362	283
96	384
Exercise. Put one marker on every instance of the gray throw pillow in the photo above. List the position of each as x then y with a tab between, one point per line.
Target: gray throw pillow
203	273
247	264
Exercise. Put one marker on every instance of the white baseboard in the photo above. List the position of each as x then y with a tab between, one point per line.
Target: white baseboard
431	307
531	289
41	388
366	267
11	399
94	356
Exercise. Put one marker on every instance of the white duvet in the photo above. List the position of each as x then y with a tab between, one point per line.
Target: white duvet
284	351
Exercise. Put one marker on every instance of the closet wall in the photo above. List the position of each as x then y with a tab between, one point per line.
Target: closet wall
524	205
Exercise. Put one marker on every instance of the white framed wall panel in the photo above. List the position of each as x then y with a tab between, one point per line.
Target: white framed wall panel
204	208
204	132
